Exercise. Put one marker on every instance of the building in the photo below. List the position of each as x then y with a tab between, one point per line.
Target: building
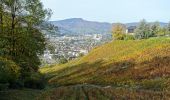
130	30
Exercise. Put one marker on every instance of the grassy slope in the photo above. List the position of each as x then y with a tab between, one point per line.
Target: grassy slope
118	70
118	62
122	63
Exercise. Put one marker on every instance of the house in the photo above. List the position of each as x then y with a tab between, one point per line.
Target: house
130	30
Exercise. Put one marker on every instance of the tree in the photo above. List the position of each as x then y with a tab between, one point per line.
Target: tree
162	32
168	29
63	60
21	39
143	30
155	28
9	71
50	47
118	31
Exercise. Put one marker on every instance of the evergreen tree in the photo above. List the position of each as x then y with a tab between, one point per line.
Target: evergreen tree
143	30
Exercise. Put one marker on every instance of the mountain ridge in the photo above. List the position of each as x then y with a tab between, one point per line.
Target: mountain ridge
81	26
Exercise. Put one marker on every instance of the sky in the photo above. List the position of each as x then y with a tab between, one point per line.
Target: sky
124	11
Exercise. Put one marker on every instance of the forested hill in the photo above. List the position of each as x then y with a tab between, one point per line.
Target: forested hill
81	26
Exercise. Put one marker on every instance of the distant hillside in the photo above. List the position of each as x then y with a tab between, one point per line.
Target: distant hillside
81	26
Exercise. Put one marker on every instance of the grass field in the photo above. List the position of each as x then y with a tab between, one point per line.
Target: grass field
132	63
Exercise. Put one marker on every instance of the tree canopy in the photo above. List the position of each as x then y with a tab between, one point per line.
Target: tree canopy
143	30
118	31
21	38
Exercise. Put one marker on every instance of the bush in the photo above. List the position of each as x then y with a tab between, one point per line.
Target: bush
4	86
155	84
118	31
16	84
9	71
35	81
63	61
129	37
123	37
119	36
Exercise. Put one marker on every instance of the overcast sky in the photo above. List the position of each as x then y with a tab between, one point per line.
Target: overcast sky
110	10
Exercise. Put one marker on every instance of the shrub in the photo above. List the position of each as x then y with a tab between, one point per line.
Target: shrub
124	37
35	81
9	71
129	37
119	36
63	61
16	84
4	86
154	84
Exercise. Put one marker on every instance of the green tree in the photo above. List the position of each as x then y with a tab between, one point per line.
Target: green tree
50	47
143	30
118	31
63	60
155	28
162	32
168	29
9	71
21	39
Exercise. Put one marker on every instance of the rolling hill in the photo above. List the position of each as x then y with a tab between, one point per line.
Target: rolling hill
81	26
132	69
117	63
75	26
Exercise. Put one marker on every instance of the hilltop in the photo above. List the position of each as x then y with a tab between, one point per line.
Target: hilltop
81	26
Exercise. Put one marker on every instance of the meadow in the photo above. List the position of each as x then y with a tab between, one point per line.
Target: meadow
131	63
